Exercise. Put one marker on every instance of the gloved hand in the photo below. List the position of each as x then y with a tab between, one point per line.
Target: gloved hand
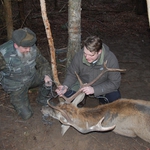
61	89
48	81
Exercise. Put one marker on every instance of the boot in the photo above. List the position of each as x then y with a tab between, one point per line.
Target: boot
43	95
103	100
41	101
24	112
82	103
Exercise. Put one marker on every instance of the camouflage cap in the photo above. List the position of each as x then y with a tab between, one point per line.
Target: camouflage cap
24	37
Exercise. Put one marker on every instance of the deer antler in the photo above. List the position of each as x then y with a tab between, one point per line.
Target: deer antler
64	114
68	100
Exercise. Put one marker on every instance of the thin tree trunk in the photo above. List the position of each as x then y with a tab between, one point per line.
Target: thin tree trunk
8	18
148	10
74	29
50	41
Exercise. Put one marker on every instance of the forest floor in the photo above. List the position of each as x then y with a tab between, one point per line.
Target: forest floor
128	36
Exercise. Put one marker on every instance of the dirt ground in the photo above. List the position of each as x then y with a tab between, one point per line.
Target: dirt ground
127	35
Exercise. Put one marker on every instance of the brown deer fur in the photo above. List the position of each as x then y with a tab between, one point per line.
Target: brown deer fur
130	117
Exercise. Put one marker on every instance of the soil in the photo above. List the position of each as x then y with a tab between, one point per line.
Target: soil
128	36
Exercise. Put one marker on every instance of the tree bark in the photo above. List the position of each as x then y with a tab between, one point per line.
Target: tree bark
74	29
8	18
148	10
50	41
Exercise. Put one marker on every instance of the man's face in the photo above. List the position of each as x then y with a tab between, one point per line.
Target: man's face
91	56
23	52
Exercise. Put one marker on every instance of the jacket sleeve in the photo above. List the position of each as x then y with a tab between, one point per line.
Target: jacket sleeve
71	78
2	62
112	81
42	65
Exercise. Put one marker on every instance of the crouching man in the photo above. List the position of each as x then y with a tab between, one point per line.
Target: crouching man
23	67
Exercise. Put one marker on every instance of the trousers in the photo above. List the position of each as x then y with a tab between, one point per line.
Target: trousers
20	98
107	98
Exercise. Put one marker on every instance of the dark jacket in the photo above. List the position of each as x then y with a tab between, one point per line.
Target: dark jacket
109	82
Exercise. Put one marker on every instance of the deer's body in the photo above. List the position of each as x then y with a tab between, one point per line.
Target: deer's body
126	117
130	117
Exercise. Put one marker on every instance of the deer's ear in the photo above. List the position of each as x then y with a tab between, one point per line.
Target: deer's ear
78	99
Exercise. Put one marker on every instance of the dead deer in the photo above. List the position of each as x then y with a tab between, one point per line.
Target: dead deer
126	117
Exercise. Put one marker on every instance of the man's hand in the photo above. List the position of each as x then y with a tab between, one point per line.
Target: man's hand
87	90
61	89
48	81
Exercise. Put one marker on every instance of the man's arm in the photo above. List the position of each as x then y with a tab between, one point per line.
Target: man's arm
42	65
71	77
112	81
2	62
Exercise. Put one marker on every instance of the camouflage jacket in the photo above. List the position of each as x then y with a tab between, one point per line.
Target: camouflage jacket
15	73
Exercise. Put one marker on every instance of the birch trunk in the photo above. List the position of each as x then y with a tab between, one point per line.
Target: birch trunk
148	10
74	28
50	41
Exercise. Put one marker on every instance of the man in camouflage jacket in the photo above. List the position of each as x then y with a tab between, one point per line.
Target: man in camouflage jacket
23	67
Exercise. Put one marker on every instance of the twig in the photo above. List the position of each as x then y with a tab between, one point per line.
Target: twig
9	107
62	8
25	18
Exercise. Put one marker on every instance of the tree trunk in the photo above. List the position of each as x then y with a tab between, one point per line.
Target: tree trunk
50	41
8	18
148	11
21	12
74	29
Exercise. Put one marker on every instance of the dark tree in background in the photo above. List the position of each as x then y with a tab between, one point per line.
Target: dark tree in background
8	18
141	7
21	12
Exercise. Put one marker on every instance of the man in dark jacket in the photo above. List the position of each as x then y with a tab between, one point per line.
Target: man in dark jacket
88	64
23	67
